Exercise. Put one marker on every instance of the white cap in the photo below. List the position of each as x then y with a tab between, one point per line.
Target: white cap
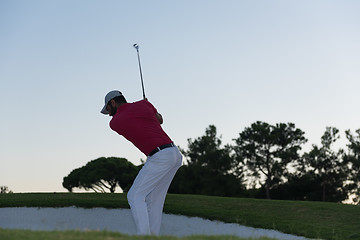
108	97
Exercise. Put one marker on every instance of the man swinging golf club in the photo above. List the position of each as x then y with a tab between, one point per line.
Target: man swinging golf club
140	123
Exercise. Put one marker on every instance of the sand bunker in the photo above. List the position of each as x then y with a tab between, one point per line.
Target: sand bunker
120	220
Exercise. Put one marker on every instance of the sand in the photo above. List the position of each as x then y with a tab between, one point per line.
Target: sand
120	220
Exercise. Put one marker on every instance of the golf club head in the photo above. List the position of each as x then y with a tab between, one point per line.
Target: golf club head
136	46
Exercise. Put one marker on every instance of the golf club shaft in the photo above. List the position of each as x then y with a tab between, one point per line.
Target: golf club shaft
142	81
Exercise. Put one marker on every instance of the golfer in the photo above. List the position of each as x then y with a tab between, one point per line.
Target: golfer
139	122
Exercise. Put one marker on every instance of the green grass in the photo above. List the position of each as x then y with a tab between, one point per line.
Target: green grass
310	219
97	235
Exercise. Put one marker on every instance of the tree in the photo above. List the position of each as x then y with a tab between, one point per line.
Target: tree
4	190
102	174
299	187
327	165
353	159
206	151
208	169
266	150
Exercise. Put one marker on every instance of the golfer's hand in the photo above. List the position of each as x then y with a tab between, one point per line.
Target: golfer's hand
159	118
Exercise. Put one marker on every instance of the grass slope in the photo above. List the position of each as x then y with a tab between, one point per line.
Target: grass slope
100	235
309	219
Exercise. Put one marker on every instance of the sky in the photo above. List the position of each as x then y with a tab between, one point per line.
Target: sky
227	63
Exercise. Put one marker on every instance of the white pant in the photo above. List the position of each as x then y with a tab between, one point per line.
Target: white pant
147	194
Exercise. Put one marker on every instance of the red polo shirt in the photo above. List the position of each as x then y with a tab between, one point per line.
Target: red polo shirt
138	124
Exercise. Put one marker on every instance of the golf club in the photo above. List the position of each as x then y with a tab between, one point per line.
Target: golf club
136	46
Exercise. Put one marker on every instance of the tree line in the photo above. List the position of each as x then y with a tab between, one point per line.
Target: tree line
4	190
265	161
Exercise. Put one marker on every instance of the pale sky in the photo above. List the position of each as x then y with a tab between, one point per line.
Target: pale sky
228	63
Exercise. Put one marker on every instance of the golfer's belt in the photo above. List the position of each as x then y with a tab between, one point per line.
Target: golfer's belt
161	148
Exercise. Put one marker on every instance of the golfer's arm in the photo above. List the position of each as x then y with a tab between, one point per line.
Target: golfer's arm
159	118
